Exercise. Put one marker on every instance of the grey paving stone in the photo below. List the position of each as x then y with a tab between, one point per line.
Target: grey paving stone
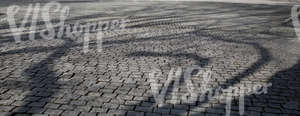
125	107
51	105
111	106
163	111
70	113
37	104
103	110
6	102
271	110
143	109
133	113
6	108
77	102
152	114
178	112
66	107
54	112
36	110
20	109
117	112
88	114
83	108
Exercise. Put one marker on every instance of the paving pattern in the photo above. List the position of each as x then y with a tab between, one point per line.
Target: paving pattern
241	44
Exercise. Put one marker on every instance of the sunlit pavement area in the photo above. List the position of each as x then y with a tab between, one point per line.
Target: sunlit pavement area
243	45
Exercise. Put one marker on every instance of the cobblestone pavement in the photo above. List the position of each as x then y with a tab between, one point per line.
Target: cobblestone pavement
242	44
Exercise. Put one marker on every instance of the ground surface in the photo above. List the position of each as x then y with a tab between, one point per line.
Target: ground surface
242	44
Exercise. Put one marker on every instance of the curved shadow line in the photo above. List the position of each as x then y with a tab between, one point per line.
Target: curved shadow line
264	53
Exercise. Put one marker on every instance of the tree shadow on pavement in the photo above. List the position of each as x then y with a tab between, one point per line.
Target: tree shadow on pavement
44	79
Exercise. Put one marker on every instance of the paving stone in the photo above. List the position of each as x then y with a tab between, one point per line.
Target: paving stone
84	108
133	113
111	106
51	105
19	103
20	109
215	111
183	107
62	101
178	112
125	107
70	113
270	110
88	114
163	111
37	104
143	109
196	114
117	112
5	113
39	115
67	107
77	102
54	112
36	110
99	110
6	108
6	102
153	114
259	109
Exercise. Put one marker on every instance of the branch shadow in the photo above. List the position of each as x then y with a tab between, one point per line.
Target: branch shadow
265	58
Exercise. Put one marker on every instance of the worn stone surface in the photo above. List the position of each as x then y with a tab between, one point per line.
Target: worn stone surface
242	45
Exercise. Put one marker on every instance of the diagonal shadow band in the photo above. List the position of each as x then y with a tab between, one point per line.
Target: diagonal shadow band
50	76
